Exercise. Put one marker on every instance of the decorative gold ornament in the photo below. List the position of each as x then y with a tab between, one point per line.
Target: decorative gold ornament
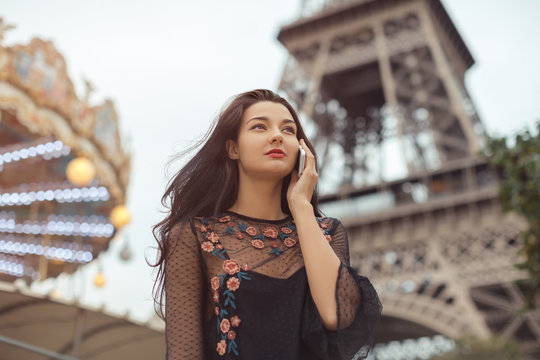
80	171
120	216
99	279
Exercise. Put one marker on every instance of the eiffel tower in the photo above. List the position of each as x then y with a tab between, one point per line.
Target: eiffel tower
381	86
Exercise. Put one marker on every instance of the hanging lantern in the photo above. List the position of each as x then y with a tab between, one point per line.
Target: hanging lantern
99	279
80	171
120	216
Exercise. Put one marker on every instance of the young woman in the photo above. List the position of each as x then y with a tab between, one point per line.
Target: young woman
248	267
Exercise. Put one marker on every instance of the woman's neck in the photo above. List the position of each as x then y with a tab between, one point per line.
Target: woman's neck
259	199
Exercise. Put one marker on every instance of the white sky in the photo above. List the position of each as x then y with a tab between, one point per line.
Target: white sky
170	65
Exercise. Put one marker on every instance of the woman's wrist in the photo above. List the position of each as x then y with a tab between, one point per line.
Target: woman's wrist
300	207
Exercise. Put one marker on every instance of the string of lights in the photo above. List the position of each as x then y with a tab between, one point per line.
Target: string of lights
71	194
48	150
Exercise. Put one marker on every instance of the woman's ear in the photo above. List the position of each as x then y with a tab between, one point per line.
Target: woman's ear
232	149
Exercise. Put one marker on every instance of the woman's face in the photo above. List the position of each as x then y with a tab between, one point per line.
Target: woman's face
267	145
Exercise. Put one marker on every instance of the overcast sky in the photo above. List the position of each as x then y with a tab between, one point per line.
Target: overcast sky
170	65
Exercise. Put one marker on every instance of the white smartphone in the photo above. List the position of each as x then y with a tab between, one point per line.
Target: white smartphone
301	159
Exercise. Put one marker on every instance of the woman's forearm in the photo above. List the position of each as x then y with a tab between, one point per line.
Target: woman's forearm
321	263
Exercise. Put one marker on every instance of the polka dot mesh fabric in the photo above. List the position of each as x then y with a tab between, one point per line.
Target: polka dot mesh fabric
236	288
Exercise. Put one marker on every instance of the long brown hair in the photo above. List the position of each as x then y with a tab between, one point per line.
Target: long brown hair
193	192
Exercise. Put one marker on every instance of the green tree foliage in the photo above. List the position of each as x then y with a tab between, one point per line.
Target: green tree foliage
519	192
489	349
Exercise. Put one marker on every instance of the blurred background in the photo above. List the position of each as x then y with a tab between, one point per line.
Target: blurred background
113	90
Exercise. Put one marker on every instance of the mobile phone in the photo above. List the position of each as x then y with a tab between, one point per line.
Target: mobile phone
301	159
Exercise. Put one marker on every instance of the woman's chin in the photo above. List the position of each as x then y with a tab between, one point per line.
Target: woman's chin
274	172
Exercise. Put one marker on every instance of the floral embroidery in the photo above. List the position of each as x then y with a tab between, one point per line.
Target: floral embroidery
270	232
286	230
257	244
233	284
231	266
215	282
226	284
207	246
213	237
289	242
221	347
251	231
225	326
324	229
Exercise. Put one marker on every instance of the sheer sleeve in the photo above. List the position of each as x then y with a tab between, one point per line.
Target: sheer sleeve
358	309
184	286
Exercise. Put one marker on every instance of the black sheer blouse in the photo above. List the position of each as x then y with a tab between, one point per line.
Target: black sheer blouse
236	288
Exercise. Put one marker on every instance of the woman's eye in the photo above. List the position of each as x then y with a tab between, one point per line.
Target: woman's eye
290	130
258	126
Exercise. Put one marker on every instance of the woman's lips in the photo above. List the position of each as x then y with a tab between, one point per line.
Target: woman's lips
275	153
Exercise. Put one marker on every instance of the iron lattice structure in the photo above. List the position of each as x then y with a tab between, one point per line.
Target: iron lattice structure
373	75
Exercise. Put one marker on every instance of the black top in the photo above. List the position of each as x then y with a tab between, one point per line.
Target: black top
236	288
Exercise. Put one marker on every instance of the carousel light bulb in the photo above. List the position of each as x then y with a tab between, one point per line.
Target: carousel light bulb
80	171
99	279
120	216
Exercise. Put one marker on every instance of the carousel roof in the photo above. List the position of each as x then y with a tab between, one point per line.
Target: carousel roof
34	325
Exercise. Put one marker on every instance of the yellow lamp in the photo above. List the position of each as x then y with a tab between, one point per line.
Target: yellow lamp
80	171
99	279
120	216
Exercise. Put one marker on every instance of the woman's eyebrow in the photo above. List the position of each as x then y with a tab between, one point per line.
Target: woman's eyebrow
264	118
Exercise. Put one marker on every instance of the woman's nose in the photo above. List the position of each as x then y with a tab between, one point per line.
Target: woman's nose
277	137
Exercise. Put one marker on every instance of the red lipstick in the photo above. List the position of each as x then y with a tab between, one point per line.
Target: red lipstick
275	153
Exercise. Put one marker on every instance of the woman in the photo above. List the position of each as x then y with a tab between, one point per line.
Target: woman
249	268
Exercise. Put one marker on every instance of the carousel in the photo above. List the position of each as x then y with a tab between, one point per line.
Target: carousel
63	169
64	174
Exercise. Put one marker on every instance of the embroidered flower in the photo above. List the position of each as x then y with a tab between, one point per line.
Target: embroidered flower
224	219
216	297
207	246
328	238
221	347
275	244
231	335
257	244
245	267
240	236
289	242
215	283
235	321
216	310
230	223
202	228
213	237
231	266
225	325
251	230
219	246
233	284
323	225
286	230
270	232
